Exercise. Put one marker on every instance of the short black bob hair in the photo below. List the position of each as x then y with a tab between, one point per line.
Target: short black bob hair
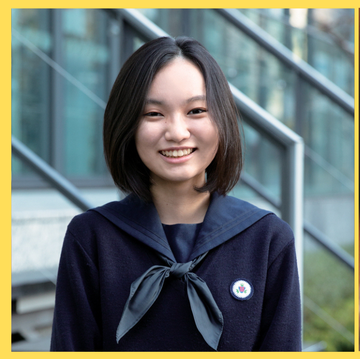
126	103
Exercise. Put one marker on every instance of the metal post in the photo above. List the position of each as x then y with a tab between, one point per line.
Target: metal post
57	94
292	197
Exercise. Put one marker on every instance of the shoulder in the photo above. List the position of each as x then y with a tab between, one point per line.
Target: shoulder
258	226
95	217
268	230
277	236
268	222
86	227
90	232
85	222
275	226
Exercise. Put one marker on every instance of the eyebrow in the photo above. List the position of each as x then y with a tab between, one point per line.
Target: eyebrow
196	98
151	101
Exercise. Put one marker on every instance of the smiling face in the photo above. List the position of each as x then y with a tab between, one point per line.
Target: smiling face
176	139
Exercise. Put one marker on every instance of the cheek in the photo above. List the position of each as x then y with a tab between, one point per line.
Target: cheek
145	140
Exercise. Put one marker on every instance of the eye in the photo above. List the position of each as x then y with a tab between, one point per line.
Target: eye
197	111
153	114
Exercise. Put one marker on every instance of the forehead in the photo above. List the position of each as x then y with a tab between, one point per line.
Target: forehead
180	75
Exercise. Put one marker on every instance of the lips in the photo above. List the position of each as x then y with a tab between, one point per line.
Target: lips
177	153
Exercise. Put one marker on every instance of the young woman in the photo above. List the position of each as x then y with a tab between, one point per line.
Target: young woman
177	265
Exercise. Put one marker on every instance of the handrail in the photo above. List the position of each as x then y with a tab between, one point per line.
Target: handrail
263	120
142	24
281	133
49	174
334	248
308	73
135	20
303	69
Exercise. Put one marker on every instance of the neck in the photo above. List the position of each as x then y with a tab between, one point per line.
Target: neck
180	204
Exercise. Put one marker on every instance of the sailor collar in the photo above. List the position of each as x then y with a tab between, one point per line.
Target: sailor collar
225	217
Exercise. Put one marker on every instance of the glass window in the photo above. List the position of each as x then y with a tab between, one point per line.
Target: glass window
86	58
322	37
52	112
30	77
328	133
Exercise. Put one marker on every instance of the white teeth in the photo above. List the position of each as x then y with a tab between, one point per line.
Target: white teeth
177	153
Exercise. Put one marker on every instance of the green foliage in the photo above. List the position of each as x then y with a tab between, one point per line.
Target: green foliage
329	309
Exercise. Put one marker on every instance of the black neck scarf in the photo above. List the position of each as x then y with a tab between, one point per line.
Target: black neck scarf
145	290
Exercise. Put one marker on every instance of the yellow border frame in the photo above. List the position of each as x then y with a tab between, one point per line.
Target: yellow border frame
5	153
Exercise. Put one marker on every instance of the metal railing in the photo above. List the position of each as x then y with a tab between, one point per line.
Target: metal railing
53	177
304	71
308	74
145	27
289	142
137	21
291	203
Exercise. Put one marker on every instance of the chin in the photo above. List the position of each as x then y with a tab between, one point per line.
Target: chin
197	180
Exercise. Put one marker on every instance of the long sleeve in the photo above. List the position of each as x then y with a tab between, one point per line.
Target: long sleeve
281	318
77	310
103	255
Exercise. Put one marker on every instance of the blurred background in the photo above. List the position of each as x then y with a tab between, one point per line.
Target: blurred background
294	65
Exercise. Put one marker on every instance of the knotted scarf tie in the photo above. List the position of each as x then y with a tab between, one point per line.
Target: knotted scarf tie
146	289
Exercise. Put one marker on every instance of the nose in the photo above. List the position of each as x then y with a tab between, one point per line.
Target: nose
177	129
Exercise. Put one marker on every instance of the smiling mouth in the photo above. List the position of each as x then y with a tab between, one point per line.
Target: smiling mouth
177	153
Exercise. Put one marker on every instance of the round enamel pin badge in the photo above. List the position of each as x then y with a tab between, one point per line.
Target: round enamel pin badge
241	289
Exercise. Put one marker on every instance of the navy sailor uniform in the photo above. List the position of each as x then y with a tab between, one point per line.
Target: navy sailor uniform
114	255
